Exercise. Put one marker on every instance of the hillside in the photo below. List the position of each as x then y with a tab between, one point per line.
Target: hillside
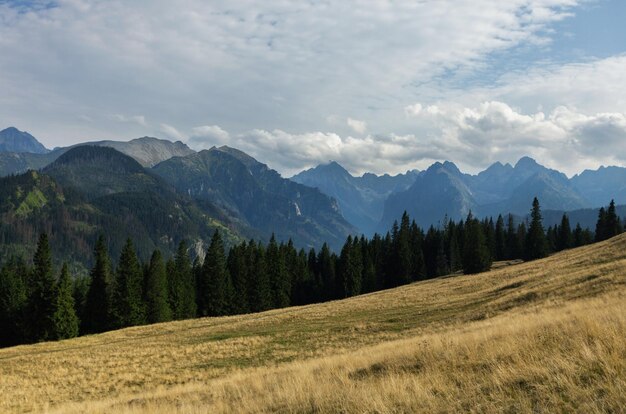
543	336
258	195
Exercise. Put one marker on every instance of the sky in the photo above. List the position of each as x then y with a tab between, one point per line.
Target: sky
380	86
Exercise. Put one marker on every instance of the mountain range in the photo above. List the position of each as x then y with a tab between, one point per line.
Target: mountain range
442	190
164	191
75	193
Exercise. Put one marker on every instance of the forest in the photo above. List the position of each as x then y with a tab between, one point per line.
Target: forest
39	303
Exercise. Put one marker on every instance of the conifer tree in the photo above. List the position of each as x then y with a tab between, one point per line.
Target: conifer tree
280	284
181	285
65	320
350	269
97	312
238	270
416	245
213	285
565	238
513	246
500	239
128	305
601	226
156	290
536	245
260	293
328	273
13	301
476	254
613	223
43	293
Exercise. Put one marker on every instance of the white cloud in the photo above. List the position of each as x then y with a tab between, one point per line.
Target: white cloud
357	126
171	132
207	136
247	64
494	131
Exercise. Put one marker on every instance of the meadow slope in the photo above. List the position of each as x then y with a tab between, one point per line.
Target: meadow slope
545	336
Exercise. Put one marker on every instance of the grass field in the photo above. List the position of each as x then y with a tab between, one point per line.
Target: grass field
545	336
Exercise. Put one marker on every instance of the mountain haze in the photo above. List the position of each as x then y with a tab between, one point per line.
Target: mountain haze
361	199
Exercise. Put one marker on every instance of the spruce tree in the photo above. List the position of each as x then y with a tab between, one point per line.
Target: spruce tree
43	294
328	273
65	320
476	254
350	273
128	305
536	245
238	270
156	290
213	285
601	226
565	238
500	239
260	292
13	302
97	311
280	284
181	285
613	223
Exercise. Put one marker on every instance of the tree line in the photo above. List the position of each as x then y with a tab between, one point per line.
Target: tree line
38	305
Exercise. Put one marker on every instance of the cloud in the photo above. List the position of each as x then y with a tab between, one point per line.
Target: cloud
494	131
207	136
246	65
358	126
137	119
474	137
171	132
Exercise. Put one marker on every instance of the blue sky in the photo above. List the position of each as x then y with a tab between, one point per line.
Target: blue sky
378	85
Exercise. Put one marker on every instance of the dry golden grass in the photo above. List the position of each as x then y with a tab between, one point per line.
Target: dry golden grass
546	336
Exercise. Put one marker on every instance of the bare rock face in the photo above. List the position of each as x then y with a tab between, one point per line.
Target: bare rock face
148	151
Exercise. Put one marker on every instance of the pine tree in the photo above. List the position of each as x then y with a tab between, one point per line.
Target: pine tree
97	312
43	294
65	320
513	246
476	254
128	305
213	285
155	290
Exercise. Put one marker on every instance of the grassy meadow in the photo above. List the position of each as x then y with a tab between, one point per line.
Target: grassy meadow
544	336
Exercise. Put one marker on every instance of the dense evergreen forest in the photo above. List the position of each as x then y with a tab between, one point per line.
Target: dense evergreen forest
38	303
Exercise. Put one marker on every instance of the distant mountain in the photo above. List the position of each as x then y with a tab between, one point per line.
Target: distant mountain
372	202
442	190
603	184
361	199
250	190
14	140
147	151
